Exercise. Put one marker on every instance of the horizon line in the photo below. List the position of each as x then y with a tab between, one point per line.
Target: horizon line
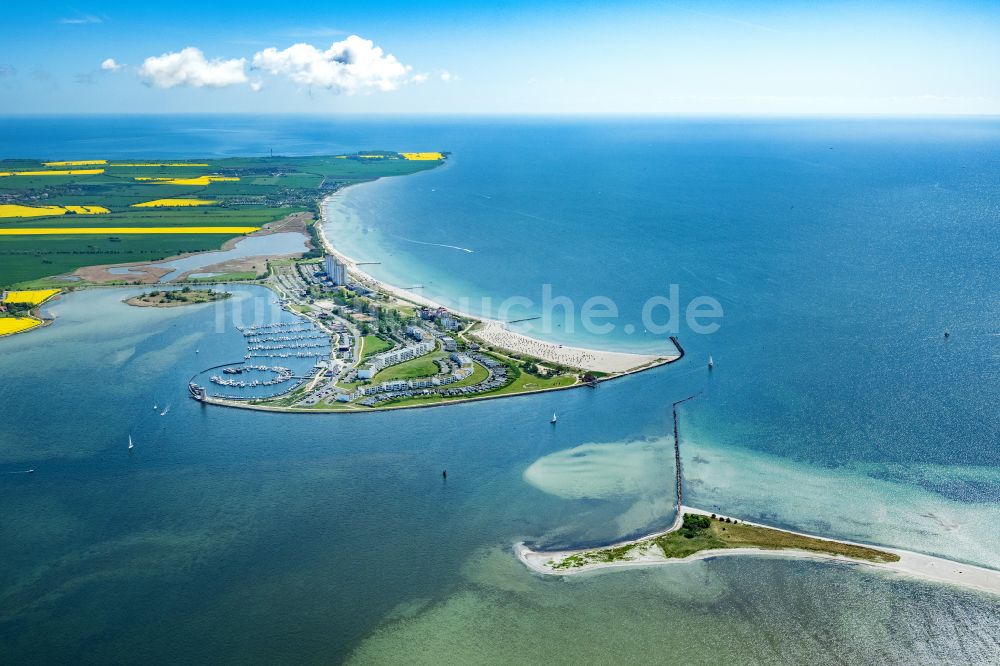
519	114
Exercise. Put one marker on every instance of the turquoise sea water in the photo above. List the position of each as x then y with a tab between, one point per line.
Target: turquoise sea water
840	252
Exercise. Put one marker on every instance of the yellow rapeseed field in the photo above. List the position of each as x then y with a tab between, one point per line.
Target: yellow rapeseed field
11	325
88	210
106	231
13	210
156	203
33	296
159	164
196	180
423	156
76	163
54	172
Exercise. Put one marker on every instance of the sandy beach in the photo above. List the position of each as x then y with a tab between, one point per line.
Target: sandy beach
916	565
495	333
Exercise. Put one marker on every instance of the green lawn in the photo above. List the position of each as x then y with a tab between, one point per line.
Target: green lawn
372	344
523	384
423	366
526	382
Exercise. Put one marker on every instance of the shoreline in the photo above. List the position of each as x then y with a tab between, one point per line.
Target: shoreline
911	564
36	314
493	332
222	402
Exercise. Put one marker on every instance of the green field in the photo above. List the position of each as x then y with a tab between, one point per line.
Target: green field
422	366
26	258
372	344
235	276
268	189
526	382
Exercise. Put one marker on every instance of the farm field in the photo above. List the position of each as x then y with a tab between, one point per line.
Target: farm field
12	325
32	296
58	216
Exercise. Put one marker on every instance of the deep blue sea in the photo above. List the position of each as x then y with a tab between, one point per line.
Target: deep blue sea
839	252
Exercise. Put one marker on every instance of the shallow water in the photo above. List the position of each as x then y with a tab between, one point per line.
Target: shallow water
271	245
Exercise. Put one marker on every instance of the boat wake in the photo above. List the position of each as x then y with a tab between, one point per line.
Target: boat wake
451	247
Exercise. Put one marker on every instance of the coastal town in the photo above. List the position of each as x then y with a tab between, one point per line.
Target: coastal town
375	350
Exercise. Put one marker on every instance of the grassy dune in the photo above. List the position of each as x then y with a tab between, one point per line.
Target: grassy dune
701	533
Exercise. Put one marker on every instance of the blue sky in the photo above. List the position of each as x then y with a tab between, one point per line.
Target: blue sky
712	58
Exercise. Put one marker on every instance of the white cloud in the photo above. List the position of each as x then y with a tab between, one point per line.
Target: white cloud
81	19
419	78
448	77
189	67
350	66
256	85
110	65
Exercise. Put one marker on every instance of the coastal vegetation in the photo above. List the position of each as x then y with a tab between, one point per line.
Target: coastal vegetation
699	533
232	276
170	298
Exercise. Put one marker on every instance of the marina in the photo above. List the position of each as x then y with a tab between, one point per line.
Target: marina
281	375
299	345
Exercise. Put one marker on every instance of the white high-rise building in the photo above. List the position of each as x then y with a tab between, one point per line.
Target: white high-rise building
336	271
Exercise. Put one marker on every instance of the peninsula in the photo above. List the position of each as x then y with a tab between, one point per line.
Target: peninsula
699	535
388	347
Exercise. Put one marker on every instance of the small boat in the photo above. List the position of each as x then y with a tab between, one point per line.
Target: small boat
164	412
155	407
553	419
711	363
130	444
